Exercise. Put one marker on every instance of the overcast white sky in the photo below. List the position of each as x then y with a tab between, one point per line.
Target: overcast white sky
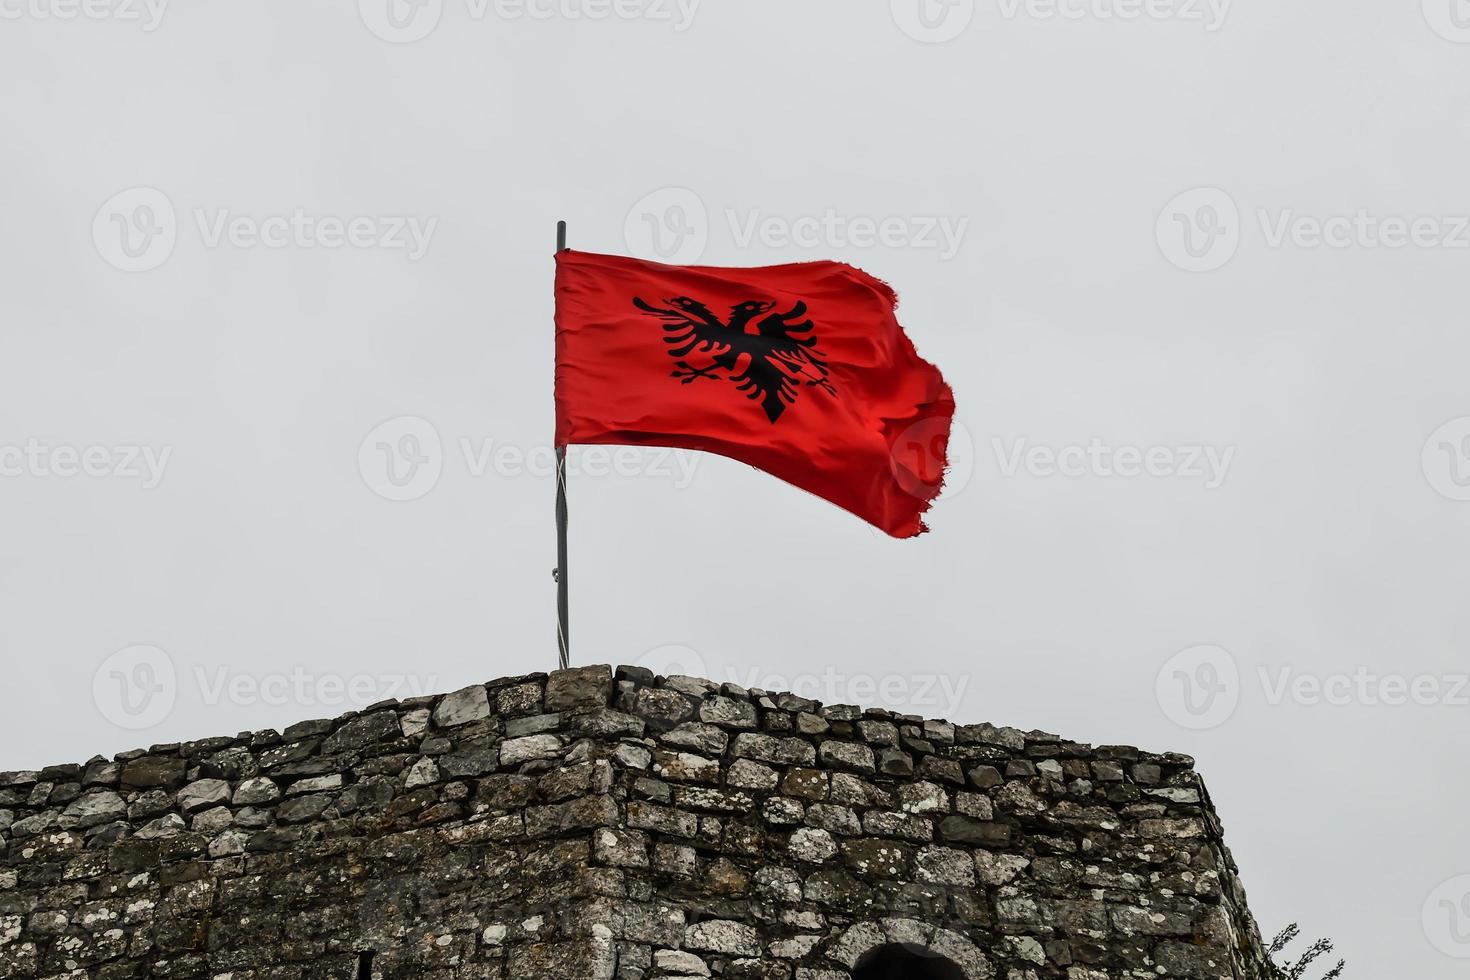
275	382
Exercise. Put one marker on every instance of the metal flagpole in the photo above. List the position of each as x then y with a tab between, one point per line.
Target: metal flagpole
563	632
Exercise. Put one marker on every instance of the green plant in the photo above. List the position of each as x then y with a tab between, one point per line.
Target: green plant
1290	969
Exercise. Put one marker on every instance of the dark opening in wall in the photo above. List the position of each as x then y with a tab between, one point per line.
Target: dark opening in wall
365	965
902	962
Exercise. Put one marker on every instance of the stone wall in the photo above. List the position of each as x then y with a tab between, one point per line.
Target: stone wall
582	826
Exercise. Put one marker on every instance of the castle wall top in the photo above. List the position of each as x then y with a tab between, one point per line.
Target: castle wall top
592	823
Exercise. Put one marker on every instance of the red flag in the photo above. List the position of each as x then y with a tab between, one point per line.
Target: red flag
800	370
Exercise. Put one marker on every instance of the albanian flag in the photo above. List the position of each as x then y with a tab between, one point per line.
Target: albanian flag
799	370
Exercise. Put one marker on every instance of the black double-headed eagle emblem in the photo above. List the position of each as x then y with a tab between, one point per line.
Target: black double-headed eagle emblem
771	357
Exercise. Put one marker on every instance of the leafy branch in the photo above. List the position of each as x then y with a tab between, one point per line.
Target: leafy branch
1289	969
